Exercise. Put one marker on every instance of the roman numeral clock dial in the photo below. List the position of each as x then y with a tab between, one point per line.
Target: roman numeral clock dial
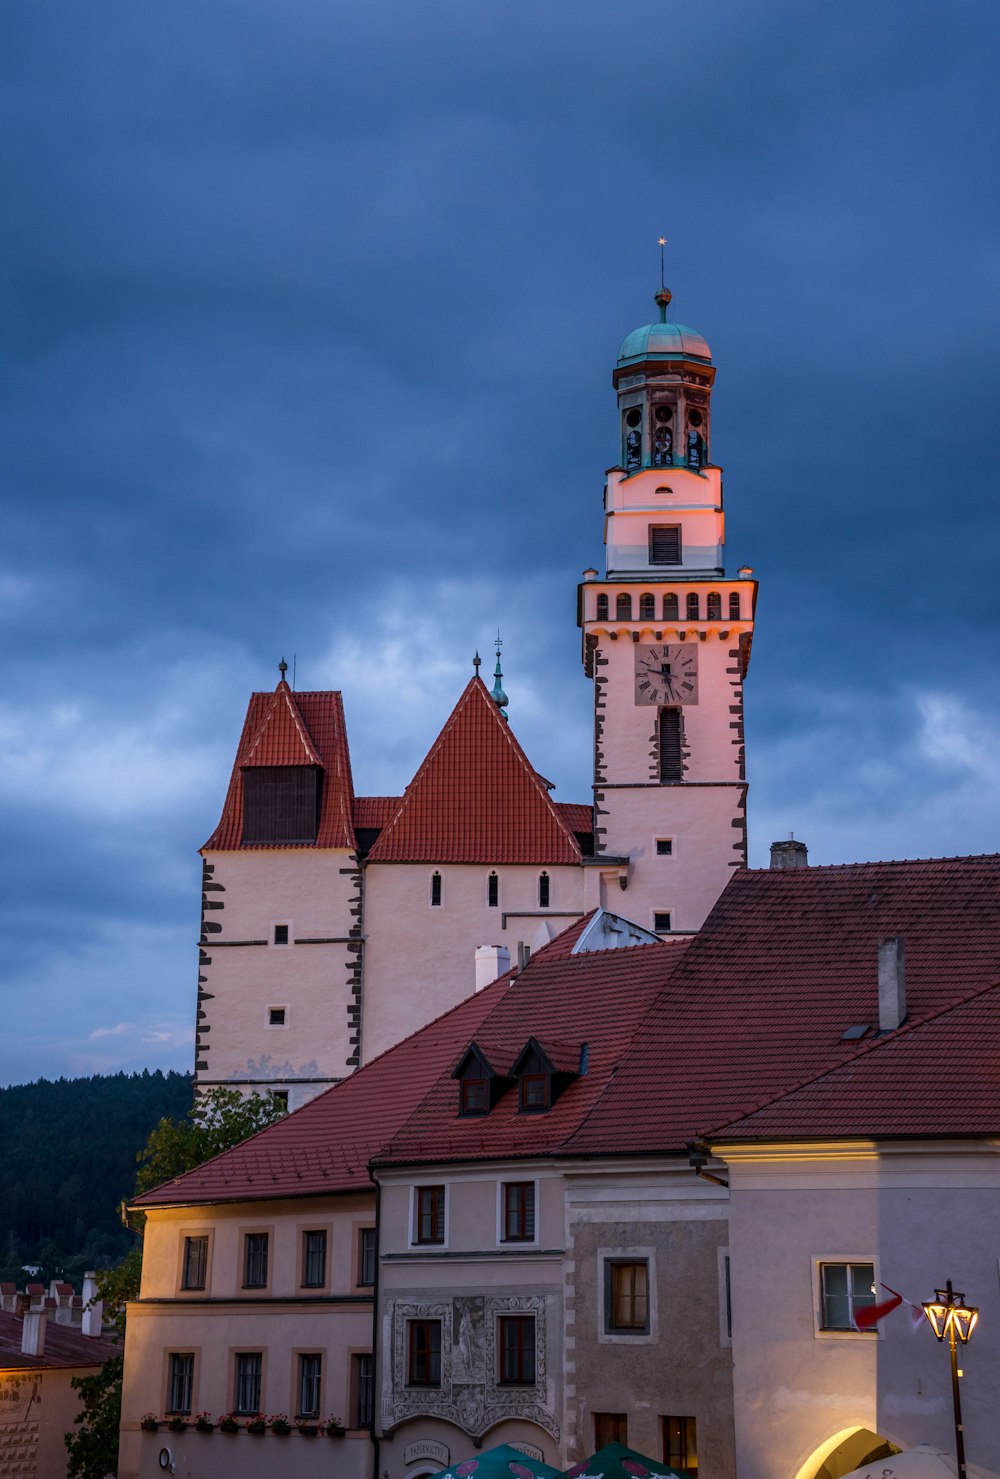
666	673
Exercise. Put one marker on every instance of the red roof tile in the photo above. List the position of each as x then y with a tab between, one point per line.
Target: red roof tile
476	799
786	961
65	1345
578	818
374	811
886	1088
286	728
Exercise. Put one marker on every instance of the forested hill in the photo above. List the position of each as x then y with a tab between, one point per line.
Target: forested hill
67	1158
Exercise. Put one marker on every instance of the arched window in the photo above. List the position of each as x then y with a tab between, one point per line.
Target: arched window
713	606
602	607
647	608
436	888
734	605
623	607
543	890
670	608
492	891
693	606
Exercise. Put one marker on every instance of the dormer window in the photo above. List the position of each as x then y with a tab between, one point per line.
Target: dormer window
544	1071
535	1092
475	1094
480	1085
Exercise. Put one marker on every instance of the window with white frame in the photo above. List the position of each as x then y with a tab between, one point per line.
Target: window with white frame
310	1379
844	1288
247	1379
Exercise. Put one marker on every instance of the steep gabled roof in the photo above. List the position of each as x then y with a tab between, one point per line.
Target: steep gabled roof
784	964
887	1088
476	799
286	728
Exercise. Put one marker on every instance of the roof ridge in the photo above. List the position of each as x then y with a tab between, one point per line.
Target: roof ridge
973	857
283	697
897	1034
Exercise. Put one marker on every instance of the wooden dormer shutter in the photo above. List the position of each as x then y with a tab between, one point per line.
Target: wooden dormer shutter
280	803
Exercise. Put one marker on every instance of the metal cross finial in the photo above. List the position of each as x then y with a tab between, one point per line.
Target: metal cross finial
477	662
282	669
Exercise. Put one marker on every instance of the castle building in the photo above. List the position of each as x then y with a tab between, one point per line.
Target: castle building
335	924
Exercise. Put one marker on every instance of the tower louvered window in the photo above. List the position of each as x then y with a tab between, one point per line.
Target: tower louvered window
280	803
669	738
665	544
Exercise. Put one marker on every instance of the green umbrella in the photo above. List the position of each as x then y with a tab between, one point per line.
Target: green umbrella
615	1461
503	1462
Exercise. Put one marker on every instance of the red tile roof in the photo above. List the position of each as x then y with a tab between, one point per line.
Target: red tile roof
578	818
886	1089
286	728
326	1145
785	962
374	811
65	1345
476	799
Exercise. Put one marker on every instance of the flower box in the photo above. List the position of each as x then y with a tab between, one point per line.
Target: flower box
177	1424
150	1423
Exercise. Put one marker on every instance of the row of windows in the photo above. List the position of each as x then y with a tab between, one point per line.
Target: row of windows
493	890
515	1338
671	610
678	1438
256	1253
248	1373
517	1213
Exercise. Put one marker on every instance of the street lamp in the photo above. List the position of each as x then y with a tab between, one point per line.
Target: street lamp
949	1315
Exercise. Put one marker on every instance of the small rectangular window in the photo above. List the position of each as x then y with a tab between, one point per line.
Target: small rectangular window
610	1427
195	1263
423	1340
518	1211
276	1016
255	1261
280	1097
492	891
314	1259
665	544
475	1096
627	1296
246	1398
364	1386
281	934
535	1091
436	889
516	1340
310	1377
180	1379
661	921
680	1444
366	1256
664	847
430	1214
669	744
844	1288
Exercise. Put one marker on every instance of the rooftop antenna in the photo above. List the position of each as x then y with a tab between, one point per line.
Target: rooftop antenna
282	670
496	693
664	295
477	662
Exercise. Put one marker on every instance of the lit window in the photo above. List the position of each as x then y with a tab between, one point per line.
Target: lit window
255	1261
366	1256
680	1444
516	1341
844	1288
195	1263
627	1296
610	1427
430	1214
518	1211
180	1381
314	1259
248	1374
423	1365
310	1377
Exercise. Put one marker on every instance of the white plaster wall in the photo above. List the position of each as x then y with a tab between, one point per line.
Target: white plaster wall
695	502
420	958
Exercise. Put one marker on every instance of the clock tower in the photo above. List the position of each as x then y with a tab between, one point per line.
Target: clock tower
666	640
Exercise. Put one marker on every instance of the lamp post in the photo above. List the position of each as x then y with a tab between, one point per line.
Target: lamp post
949	1315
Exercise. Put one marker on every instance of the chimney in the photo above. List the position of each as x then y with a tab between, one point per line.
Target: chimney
891	984
491	961
33	1332
790	854
93	1314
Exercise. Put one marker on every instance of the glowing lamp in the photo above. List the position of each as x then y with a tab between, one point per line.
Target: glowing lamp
949	1312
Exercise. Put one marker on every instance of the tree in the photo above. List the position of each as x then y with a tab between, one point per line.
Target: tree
218	1120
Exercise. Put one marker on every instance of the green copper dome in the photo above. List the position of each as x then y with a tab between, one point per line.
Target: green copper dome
663	341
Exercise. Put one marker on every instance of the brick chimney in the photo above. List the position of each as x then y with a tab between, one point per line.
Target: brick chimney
891	984
33	1332
790	854
491	961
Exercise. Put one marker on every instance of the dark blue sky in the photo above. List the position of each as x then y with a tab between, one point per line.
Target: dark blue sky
309	313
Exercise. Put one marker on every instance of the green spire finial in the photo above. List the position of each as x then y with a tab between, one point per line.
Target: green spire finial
496	693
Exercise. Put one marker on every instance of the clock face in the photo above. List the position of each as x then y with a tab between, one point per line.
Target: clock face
666	673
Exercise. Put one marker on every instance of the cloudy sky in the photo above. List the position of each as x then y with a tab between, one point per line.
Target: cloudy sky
309	312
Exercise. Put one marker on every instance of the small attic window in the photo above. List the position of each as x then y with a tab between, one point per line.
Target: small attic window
856	1033
475	1096
535	1092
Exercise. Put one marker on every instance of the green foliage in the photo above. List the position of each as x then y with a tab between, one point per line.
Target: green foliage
93	1449
218	1120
